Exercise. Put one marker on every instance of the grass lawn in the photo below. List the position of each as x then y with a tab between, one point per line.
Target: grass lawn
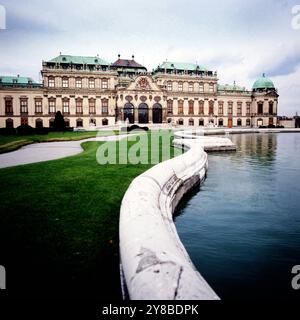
59	225
11	143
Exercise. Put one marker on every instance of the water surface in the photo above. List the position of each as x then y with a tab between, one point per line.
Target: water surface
242	228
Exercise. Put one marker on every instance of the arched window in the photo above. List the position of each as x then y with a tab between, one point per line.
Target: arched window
143	113
128	112
79	123
39	123
51	123
239	122
169	120
220	122
260	122
157	113
93	122
105	122
201	122
191	122
9	123
180	122
248	122
67	122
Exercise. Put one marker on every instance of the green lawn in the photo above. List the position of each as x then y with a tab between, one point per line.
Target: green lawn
11	143
59	225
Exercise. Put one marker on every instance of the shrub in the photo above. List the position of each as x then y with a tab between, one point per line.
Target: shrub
7	131
59	122
25	130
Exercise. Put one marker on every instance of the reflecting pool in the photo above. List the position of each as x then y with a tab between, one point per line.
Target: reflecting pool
242	226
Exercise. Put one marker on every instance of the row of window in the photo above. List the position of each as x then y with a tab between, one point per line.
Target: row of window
52	106
220	122
191	108
191	86
78	83
39	122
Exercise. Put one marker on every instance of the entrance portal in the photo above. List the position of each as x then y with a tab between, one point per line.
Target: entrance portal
157	113
128	112
229	123
143	113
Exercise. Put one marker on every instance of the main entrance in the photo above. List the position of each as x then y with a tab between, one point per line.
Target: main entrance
229	123
128	112
157	113
143	113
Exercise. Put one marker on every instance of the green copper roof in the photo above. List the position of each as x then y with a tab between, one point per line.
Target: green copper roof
79	60
16	80
228	87
182	66
263	83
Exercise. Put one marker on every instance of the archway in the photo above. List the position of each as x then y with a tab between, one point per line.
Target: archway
143	113
157	113
128	112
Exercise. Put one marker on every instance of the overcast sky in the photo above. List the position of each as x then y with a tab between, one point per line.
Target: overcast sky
239	39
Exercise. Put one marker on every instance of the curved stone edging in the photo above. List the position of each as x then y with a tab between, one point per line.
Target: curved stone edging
154	262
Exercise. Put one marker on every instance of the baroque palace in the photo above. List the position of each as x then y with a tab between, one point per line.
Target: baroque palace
91	92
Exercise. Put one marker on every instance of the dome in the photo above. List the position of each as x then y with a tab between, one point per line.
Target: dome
263	83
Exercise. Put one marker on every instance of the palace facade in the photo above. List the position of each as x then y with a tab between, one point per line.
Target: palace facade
92	92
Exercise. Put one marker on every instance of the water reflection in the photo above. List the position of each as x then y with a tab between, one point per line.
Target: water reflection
242	229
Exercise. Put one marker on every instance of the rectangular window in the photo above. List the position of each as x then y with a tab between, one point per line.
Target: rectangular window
220	111
180	107
180	86
239	109
211	88
104	84
201	107
170	107
65	83
92	83
211	108
248	110
66	106
92	106
105	107
271	108
201	87
230	107
52	106
78	83
191	87
51	82
191	107
260	108
169	86
79	107
38	106
8	106
24	106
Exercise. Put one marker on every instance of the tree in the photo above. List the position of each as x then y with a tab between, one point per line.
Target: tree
59	122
